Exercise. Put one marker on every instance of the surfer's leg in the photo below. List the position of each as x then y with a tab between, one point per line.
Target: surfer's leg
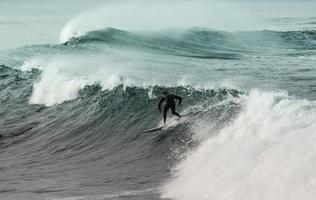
173	109
165	110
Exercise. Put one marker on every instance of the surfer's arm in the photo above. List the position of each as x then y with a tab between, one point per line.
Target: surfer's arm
179	98
160	102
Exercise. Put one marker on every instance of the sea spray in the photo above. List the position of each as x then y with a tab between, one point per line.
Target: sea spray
268	152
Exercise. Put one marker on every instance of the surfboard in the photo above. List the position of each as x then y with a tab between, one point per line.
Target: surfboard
153	129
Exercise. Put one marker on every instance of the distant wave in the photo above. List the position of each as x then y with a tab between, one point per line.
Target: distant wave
202	42
192	43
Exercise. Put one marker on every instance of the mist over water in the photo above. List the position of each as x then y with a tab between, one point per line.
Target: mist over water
37	22
266	153
80	81
214	14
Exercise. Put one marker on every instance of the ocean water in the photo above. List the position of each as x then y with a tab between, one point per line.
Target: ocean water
80	81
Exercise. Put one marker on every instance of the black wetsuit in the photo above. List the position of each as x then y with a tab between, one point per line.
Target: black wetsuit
169	98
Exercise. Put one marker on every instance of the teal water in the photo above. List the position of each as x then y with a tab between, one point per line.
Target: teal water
80	81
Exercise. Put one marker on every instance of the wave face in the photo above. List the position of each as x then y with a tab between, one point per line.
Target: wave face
99	130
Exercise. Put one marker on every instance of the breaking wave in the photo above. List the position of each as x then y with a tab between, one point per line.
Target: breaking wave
267	152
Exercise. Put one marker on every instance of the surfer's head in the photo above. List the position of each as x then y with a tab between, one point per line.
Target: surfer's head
165	92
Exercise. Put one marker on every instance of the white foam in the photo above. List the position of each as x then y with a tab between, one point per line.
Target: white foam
33	63
267	153
64	76
54	88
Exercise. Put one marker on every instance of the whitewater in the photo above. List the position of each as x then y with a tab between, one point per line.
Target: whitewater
80	81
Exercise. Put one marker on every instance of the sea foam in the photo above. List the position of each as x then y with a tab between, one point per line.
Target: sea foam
267	153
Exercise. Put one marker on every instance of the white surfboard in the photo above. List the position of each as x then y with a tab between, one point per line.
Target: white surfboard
153	129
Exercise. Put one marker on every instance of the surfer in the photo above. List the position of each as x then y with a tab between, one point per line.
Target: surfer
169	98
